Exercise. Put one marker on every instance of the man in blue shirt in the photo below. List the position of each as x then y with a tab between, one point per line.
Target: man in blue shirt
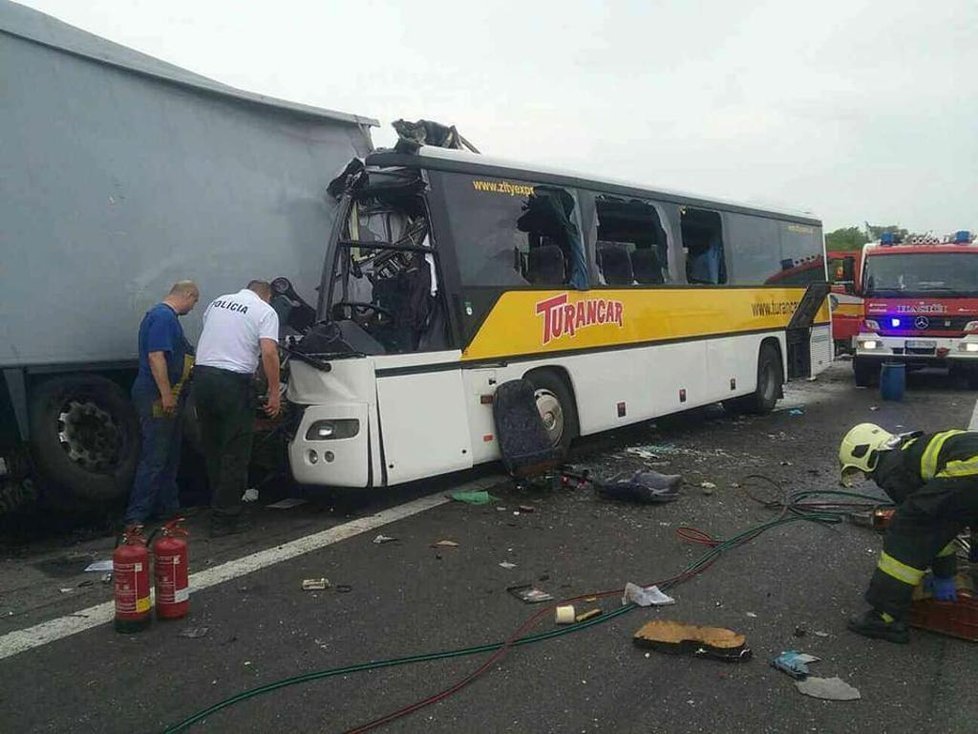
164	364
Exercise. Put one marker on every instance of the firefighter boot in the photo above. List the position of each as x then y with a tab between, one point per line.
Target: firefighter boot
873	624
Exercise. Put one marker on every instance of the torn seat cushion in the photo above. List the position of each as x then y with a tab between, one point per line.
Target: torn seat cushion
523	440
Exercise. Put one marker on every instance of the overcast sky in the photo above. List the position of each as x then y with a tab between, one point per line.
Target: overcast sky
853	109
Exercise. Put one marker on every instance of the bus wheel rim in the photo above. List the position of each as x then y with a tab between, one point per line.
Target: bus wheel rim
552	414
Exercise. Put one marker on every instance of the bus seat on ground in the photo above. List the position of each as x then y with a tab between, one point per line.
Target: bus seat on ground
646	267
523	440
615	265
545	265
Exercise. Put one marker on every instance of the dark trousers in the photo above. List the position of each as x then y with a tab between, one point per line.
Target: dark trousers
227	418
921	528
154	487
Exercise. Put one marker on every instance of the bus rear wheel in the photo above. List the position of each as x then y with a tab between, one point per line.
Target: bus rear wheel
556	407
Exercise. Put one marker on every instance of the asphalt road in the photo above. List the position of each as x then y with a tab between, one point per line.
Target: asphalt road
406	598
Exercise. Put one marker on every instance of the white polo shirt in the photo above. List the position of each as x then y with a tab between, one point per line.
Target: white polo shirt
233	324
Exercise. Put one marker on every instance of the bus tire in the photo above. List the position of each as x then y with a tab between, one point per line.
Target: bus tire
770	378
555	402
865	373
84	439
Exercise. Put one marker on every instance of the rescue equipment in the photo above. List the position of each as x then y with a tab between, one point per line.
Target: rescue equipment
170	561
130	573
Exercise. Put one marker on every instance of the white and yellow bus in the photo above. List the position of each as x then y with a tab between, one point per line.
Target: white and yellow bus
450	273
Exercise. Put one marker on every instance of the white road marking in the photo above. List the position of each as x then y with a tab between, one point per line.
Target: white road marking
973	425
19	641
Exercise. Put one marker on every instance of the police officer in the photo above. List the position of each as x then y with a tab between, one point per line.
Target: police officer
933	479
239	329
163	369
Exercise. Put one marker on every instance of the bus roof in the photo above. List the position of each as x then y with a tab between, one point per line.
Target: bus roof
447	159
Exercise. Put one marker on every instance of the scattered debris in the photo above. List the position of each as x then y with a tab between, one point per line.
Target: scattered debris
677	637
589	614
794	663
649	596
106	578
796	411
477	497
708	487
501	509
565	615
785	463
642	486
86	582
250	495
752	615
65	590
384	539
445	544
507	565
831	689
874	408
194	633
315	584
99	566
800	631
344	588
287	504
820	634
529	594
528	509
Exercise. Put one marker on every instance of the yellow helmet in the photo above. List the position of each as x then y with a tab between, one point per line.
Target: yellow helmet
861	446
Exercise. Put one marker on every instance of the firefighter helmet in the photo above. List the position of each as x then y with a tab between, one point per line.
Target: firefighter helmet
861	446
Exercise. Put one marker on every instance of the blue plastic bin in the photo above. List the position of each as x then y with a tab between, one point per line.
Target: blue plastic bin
893	380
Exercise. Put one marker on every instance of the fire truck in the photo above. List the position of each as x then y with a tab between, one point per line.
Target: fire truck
920	305
847	305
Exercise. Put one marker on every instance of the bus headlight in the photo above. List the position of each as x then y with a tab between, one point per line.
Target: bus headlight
333	429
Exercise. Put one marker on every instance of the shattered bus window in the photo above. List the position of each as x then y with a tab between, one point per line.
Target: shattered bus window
385	280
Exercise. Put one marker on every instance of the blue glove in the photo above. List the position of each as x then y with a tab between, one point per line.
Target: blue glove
942	589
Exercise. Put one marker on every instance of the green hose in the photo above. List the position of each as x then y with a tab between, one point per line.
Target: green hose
789	504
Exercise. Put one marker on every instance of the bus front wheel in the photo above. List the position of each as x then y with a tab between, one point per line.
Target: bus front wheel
770	377
555	404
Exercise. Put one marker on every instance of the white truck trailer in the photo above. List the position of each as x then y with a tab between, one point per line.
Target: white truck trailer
120	174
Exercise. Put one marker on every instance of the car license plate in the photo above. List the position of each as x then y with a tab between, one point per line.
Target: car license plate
921	344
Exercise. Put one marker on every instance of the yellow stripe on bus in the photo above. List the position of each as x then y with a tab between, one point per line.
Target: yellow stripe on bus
531	322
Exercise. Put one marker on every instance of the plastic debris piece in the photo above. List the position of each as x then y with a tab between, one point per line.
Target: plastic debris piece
752	615
65	590
642	486
564	615
649	596
831	689
820	634
796	411
528	509
250	495
287	504
344	588
315	584
800	631
99	566
507	565
106	578
86	582
794	663
194	633
445	544
528	594
384	539
589	614
478	497
874	408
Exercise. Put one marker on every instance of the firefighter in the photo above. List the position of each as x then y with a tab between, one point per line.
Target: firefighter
933	480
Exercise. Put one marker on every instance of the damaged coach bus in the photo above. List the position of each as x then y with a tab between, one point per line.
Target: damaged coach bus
448	274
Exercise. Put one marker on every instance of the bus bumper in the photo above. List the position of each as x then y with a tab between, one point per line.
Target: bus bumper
331	446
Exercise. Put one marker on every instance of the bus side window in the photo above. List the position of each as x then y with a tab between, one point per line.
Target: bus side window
703	242
632	245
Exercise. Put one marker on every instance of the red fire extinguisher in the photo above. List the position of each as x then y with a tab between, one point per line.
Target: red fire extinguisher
130	574
170	560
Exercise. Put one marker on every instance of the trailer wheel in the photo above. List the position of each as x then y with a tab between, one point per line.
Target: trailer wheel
556	406
85	440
